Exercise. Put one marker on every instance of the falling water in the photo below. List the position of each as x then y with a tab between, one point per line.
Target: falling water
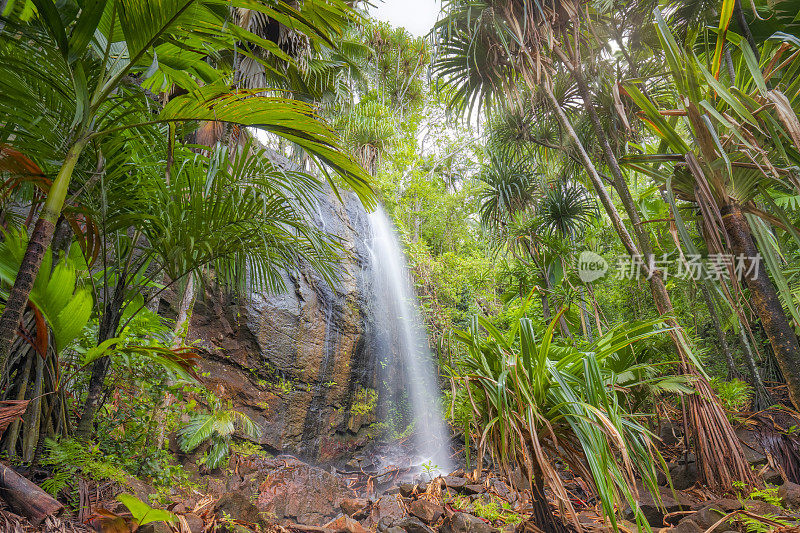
397	315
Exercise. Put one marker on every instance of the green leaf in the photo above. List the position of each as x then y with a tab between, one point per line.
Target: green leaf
143	513
655	120
726	95
101	350
143	22
83	31
55	26
293	120
726	12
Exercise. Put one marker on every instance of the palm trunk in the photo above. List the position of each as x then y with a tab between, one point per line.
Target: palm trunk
585	318
723	342
594	176
765	300
543	517
545	307
32	260
181	331
108	330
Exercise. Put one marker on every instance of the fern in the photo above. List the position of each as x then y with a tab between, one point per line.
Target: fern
69	459
754	525
736	395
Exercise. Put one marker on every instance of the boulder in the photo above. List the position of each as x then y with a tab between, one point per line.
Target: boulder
772	477
238	506
670	434
726	505
762	508
412	524
295	491
194	522
684	475
687	525
407	489
387	511
466	523
504	491
790	494
426	511
345	524
351	506
753	450
709	515
652	511
474	489
455	483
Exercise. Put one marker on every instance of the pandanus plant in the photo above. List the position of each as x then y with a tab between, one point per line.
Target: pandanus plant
487	49
728	145
535	402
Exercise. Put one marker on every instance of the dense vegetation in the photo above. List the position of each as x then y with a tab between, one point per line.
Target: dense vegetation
599	202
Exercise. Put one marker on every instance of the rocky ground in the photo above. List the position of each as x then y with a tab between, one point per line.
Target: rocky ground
283	494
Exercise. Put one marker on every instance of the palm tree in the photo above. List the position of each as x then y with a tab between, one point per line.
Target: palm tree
237	215
726	182
487	48
68	81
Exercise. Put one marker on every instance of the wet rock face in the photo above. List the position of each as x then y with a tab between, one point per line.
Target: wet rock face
298	363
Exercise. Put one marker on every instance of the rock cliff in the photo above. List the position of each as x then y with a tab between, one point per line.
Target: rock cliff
299	363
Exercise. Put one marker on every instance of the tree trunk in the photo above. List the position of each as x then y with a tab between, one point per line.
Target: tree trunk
25	498
745	27
765	300
32	260
597	182
585	318
723	342
543	517
181	330
763	399
545	306
26	276
108	330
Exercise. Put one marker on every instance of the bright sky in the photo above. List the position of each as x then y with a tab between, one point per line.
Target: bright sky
417	16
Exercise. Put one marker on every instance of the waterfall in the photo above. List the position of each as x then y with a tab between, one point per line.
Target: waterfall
396	315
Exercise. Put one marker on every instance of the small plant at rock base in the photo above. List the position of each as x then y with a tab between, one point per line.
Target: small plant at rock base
70	458
140	514
246	448
460	502
217	427
735	395
754	525
487	510
768	494
430	469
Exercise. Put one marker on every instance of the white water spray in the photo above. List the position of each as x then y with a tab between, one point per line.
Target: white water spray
397	312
